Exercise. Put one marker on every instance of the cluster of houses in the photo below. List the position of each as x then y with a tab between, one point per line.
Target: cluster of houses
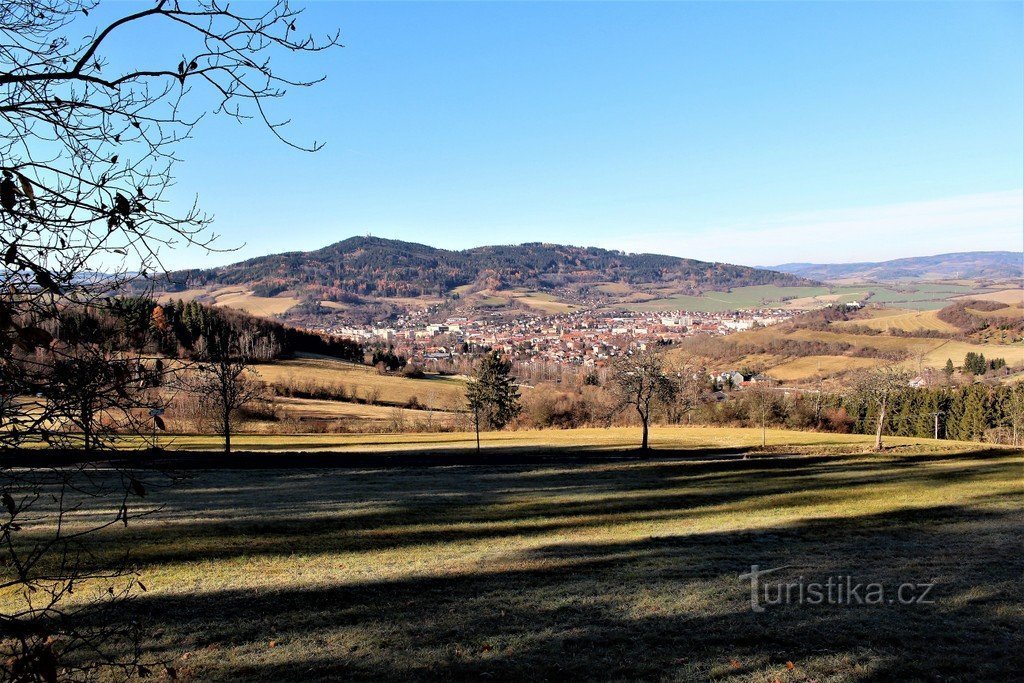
583	338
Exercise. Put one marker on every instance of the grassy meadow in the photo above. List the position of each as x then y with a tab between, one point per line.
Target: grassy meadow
589	562
544	441
365	383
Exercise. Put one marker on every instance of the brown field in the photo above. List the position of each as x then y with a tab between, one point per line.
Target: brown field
543	302
323	410
245	300
809	367
614	288
1006	296
908	321
362	382
1011	311
235	297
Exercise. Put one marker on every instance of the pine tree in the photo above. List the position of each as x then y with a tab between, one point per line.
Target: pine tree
492	395
949	369
971	426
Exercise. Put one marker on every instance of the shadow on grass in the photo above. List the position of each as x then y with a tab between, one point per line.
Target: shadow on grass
541	603
647	609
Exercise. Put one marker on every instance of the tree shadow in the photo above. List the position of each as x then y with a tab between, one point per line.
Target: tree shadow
659	608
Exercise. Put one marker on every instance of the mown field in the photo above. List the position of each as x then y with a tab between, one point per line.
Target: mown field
904	321
597	439
594	563
364	383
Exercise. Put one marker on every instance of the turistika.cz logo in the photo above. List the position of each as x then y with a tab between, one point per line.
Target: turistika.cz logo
836	590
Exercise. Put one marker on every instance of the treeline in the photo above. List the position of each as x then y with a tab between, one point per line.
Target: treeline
180	328
979	412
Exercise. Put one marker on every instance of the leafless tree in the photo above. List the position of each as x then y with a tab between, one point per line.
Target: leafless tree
877	385
690	389
1016	410
761	397
641	381
223	380
87	154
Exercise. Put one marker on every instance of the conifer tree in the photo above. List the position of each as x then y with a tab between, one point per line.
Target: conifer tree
492	395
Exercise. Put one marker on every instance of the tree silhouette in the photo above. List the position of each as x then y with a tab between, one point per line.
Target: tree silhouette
87	153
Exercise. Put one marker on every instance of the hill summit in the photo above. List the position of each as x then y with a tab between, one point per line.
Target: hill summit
379	267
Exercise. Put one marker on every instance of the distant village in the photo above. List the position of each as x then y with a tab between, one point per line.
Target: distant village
582	339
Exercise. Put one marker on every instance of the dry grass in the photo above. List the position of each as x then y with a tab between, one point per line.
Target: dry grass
1006	296
245	300
363	382
920	352
613	439
235	297
592	568
314	409
543	302
809	367
907	321
1013	311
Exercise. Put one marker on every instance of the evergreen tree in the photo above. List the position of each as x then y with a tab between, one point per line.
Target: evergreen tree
975	363
492	395
971	425
949	369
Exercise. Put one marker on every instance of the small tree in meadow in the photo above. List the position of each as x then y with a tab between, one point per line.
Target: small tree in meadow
223	382
641	382
492	395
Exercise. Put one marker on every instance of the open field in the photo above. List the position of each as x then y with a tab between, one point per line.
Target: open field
1006	296
907	321
1011	311
361	381
923	296
814	366
358	413
597	439
921	352
542	301
592	564
235	297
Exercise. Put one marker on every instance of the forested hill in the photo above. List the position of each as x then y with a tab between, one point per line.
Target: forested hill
361	266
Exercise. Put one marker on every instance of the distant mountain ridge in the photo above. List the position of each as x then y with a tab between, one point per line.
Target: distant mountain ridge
966	264
378	267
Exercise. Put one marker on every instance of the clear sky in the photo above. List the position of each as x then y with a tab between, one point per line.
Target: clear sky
755	133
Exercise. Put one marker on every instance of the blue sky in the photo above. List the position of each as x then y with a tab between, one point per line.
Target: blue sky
750	133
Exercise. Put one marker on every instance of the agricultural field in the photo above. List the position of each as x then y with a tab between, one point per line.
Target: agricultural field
1011	311
359	415
920	353
905	321
237	298
364	383
809	367
583	561
923	296
1006	296
542	301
